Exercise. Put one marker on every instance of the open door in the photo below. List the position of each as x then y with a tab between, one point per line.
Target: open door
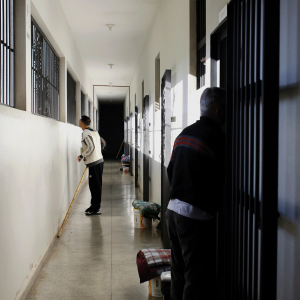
130	143
146	150
136	156
165	151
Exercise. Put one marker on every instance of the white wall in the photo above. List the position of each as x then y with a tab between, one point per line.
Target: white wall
169	36
38	178
289	153
39	169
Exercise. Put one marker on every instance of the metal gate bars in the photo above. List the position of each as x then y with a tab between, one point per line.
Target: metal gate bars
252	149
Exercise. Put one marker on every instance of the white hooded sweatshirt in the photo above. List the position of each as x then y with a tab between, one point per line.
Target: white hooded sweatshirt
91	144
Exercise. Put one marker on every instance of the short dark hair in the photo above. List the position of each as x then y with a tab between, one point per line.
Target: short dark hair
86	120
211	99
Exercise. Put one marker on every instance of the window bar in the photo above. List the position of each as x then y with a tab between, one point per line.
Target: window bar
251	174
247	144
229	212
237	225
233	191
242	150
270	106
257	147
7	52
244	147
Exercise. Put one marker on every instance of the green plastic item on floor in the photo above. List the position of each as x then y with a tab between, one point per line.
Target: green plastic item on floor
147	209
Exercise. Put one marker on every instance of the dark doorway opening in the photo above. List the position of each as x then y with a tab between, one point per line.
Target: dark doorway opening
136	156
111	127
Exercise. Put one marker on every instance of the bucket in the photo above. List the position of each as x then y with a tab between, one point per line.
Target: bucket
140	221
155	287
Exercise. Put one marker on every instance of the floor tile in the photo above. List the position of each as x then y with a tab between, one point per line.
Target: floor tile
95	257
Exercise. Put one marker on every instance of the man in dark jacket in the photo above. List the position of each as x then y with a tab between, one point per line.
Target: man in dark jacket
196	174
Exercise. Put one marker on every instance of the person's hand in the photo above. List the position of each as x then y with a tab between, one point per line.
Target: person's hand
79	159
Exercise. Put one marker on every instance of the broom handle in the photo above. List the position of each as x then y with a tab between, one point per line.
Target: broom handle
120	149
66	217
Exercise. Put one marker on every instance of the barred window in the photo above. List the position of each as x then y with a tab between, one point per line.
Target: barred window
45	75
71	90
7	52
201	42
82	103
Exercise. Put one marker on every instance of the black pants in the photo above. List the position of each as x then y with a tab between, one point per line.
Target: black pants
193	272
95	184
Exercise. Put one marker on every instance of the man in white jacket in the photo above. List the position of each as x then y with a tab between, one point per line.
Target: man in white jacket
92	157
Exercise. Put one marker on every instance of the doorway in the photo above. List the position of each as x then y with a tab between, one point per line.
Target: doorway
130	143
136	156
146	149
111	127
165	151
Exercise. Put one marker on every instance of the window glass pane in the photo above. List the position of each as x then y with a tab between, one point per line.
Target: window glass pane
45	75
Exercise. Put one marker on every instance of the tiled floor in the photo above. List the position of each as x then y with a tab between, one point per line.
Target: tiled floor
95	256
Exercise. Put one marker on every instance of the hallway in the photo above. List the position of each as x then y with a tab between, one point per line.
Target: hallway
95	256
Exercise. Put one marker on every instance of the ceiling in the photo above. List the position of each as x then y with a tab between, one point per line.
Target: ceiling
111	94
122	46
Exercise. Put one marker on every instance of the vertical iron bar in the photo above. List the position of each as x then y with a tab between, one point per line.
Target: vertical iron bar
229	214
247	136
234	175
242	150
251	160
8	54
12	54
237	99
5	54
238	45
270	103
257	147
1	51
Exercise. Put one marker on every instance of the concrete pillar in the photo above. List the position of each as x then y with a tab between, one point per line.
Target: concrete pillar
94	117
87	104
78	102
23	55
63	100
91	112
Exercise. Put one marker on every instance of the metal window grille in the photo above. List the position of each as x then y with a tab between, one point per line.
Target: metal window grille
7	52
71	90
252	149
45	75
201	42
82	103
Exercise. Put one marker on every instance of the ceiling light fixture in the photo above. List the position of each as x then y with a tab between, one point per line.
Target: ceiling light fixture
110	26
111	65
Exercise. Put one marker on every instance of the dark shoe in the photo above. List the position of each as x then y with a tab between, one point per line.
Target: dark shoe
91	210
